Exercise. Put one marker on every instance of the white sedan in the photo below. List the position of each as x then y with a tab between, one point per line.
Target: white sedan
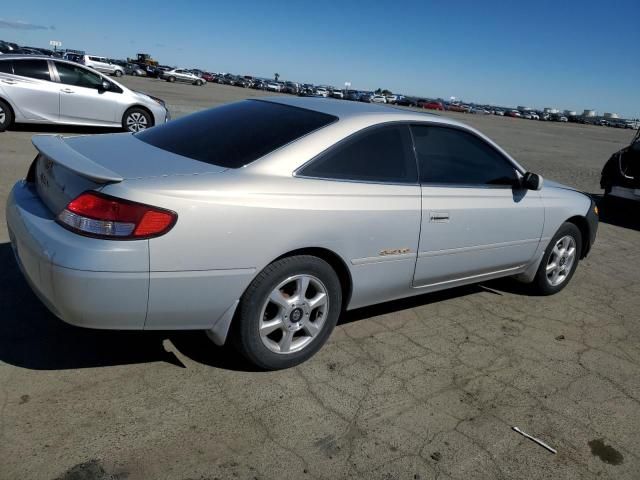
37	89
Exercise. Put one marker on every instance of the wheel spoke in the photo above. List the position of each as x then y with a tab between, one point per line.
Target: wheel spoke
285	342
312	328
571	253
271	326
277	298
318	301
551	267
302	285
554	276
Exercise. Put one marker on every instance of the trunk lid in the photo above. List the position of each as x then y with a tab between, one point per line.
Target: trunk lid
66	167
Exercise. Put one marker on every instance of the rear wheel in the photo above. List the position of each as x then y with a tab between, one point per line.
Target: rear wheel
6	116
288	312
560	260
118	73
199	83
171	79
136	120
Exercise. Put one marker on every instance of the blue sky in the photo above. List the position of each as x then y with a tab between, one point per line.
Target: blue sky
563	53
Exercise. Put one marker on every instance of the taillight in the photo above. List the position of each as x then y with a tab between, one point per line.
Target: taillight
97	215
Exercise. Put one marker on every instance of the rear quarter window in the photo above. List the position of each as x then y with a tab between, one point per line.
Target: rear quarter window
237	134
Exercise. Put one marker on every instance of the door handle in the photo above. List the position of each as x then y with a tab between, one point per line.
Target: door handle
67	90
439	217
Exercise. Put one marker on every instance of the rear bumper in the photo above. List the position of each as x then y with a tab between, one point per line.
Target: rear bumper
107	284
70	273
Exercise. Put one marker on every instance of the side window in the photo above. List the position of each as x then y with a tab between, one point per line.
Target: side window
78	76
6	66
381	154
38	69
449	156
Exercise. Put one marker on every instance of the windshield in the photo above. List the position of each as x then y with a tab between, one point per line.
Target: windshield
236	134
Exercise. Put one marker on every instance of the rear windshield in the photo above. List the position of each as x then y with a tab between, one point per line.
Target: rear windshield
237	134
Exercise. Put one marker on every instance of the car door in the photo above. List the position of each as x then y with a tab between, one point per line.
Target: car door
366	187
30	89
476	220
82	99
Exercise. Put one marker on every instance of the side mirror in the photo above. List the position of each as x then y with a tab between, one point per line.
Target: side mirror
106	86
532	181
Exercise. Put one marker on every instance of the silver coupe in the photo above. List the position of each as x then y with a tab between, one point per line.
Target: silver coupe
262	221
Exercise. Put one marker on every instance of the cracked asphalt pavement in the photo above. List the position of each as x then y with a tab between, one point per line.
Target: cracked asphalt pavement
425	388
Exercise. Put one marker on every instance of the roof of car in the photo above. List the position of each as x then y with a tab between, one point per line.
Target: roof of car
24	56
346	110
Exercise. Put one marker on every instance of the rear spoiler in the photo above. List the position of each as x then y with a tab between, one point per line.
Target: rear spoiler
54	147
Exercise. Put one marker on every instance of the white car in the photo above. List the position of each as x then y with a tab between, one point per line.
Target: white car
534	116
102	65
273	87
378	99
323	92
337	94
49	90
182	75
391	98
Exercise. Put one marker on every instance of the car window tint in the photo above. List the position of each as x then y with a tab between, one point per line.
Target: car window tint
236	134
451	156
38	69
78	76
6	66
381	154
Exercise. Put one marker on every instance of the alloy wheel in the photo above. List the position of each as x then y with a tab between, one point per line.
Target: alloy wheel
294	314
3	115
561	260
136	122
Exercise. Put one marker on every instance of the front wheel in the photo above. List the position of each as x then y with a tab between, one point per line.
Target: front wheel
199	83
118	73
560	261
288	312
136	120
171	79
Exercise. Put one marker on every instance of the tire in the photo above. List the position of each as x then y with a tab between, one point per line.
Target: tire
118	73
302	326
199	83
136	120
571	238
6	116
171	79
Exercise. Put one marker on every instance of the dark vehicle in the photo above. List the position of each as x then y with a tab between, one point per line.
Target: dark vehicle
404	101
240	82
621	174
155	71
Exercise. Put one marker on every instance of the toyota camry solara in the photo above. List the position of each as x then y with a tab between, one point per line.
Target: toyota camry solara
261	221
